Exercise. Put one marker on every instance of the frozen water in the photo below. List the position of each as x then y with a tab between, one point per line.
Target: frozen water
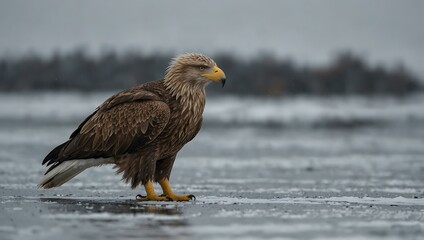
291	168
303	111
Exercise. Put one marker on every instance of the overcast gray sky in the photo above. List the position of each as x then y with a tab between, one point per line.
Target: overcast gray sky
384	31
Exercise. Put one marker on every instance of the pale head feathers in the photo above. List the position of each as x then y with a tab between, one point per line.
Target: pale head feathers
184	73
191	59
184	81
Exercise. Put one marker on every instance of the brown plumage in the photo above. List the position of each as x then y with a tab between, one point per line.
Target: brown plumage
141	129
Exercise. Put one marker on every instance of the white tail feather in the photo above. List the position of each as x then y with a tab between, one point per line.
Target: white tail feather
69	169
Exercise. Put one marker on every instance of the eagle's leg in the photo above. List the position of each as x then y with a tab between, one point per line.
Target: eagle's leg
167	191
151	194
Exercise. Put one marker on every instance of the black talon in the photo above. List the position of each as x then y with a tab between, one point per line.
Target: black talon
139	196
162	195
192	197
169	199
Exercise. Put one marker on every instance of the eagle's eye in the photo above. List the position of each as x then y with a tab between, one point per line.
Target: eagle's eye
202	68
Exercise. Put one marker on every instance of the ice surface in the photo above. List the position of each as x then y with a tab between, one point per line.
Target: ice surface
294	168
229	110
314	110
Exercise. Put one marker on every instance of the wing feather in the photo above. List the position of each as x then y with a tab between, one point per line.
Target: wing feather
123	123
111	135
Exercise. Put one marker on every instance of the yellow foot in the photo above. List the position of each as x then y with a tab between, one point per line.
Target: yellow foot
180	198
167	191
152	198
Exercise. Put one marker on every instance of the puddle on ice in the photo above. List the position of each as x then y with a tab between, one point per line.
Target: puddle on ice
110	216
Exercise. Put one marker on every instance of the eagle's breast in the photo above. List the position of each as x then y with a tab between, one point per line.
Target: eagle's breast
185	121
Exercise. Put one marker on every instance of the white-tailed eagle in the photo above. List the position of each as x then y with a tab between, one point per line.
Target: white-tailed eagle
140	130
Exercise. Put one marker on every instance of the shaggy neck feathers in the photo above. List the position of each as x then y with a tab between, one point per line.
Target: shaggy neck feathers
189	92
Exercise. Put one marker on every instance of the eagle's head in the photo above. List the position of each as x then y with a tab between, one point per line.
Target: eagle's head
194	69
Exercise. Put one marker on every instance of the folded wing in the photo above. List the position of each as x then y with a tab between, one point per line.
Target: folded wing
122	124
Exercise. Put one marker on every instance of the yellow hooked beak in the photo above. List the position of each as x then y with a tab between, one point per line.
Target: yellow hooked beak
216	74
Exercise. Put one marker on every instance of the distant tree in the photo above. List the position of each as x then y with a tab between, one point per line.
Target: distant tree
263	75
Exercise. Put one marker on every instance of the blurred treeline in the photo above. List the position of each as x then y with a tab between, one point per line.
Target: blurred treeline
263	75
